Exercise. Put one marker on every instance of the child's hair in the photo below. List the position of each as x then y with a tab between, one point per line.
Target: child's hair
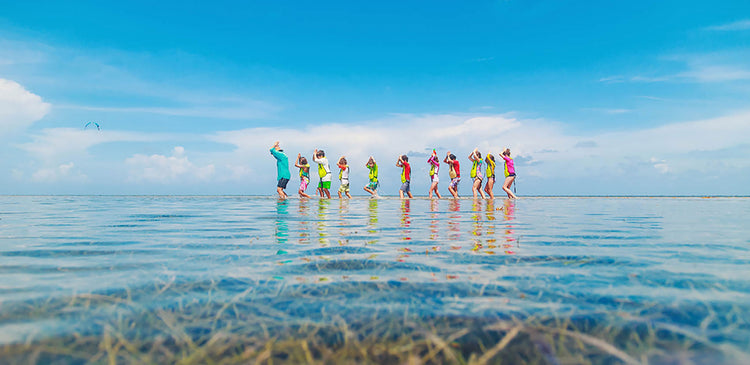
506	152
302	161
490	157
479	155
370	161
342	161
321	153
452	156
405	158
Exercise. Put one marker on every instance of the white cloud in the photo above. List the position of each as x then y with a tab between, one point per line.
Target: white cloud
62	172
166	169
19	108
715	73
609	110
733	26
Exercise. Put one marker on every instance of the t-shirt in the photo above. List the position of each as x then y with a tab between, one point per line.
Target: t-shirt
344	175
406	173
324	170
509	169
282	165
434	165
456	168
373	173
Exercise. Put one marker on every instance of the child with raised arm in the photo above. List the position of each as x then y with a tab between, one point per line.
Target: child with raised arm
372	187
403	162
282	169
454	171
490	159
344	177
434	168
510	173
476	172
304	174
324	172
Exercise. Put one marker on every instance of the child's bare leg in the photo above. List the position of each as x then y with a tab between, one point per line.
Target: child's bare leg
437	192
401	194
339	195
410	196
348	195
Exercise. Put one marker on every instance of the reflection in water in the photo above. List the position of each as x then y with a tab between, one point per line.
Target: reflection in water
322	217
282	228
406	219
490	215
304	221
343	220
434	220
454	224
509	212
372	223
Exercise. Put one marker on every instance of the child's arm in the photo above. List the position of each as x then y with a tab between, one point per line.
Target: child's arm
446	157
398	163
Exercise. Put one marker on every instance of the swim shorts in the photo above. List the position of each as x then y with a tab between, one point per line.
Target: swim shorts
324	185
282	183
511	175
434	178
454	182
303	181
372	185
344	188
405	187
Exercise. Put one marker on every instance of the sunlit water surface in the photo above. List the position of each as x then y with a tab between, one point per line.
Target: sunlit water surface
680	265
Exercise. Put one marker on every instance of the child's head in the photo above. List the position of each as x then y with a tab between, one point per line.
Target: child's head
479	155
371	161
342	161
321	153
452	156
302	161
490	157
405	158
506	152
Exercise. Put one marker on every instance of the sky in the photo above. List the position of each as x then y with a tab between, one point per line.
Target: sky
592	98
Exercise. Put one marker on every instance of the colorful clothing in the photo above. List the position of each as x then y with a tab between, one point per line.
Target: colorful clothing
490	169
509	168
455	169
324	170
344	188
344	175
406	172
454	183
372	185
324	185
304	171
303	181
434	168
476	170
405	187
282	164
373	173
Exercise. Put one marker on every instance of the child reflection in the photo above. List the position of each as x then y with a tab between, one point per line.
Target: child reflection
406	219
304	221
282	228
373	210
322	213
434	220
454	219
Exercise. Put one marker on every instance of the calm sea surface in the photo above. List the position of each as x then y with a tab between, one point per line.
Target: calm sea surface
210	279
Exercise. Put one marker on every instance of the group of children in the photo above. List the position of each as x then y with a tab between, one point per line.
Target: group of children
324	172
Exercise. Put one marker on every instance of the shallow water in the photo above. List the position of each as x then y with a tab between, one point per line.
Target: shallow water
662	280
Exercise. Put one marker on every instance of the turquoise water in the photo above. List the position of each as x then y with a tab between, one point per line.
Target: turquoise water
660	280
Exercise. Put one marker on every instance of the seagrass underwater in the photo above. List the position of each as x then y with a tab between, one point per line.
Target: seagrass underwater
234	279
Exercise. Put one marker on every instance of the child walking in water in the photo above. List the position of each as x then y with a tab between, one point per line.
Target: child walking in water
403	162
434	168
324	172
304	174
510	173
282	169
344	177
476	172
372	187
490	159
454	172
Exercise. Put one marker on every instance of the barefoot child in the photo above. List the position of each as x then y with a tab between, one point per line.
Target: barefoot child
282	169
490	159
510	173
324	171
344	177
476	172
372	187
434	168
403	162
304	174
454	172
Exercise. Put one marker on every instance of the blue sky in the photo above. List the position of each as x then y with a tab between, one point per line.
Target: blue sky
592	97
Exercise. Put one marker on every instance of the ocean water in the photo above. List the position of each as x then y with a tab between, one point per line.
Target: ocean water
131	279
